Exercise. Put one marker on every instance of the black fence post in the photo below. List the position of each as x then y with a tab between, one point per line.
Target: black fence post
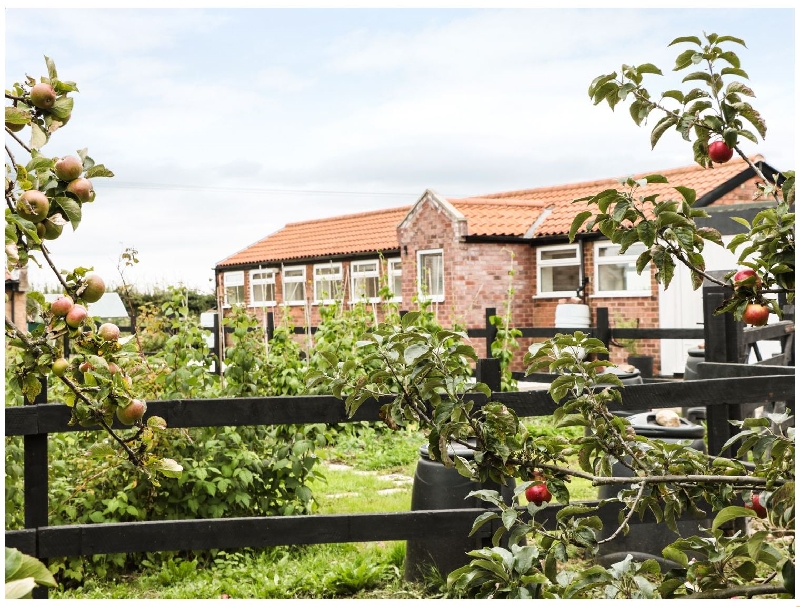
723	344
35	482
491	331
603	329
270	326
487	371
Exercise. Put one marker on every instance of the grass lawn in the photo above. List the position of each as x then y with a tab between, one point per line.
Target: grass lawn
367	471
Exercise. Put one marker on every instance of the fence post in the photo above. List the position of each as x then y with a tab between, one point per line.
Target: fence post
35	482
219	337
491	331
487	371
270	326
603	330
723	344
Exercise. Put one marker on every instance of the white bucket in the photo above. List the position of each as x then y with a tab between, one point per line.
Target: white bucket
572	316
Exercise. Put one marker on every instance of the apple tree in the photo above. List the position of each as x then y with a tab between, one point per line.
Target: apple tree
44	194
420	372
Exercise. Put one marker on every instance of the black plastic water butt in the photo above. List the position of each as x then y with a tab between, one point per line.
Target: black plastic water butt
648	539
437	487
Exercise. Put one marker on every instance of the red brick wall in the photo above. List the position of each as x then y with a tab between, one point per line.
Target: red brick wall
741	194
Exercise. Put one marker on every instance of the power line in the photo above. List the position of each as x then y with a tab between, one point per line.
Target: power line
168	186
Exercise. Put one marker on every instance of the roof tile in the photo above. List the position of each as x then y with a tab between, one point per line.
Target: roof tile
343	235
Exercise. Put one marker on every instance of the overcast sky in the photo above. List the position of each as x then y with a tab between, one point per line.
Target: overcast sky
223	125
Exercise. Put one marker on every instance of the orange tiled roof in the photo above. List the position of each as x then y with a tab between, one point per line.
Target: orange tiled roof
343	235
490	217
501	214
559	198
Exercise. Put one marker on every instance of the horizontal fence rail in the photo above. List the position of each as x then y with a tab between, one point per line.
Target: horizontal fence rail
212	412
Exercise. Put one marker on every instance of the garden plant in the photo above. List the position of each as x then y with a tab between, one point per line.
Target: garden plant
419	371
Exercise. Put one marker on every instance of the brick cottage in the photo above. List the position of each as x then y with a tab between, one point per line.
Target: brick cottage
457	253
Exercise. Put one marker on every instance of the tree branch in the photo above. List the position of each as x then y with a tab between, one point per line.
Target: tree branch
746	591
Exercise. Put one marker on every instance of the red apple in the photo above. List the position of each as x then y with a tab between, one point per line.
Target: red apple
76	315
756	506
95	287
719	152
33	205
537	494
132	413
61	306
745	277
756	314
82	189
108	331
68	168
60	366
43	96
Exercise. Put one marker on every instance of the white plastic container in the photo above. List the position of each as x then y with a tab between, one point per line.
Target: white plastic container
572	316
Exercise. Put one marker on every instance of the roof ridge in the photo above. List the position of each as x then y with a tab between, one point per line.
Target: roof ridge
527	202
350	216
580	184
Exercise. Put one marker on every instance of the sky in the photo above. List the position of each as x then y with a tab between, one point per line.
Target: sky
223	125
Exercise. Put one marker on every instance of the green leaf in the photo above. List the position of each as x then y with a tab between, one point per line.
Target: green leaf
156	422
38	136
655	178
689	195
739	87
729	513
482	518
20	589
62	108
683	60
673	553
169	467
98	170
13	562
733	71
674	94
698	76
731	39
648	68
34	569
577	223
661	127
573	510
692	39
71	208
15	115
642	261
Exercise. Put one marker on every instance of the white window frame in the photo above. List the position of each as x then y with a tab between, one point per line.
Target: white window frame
267	280
427	296
394	268
628	258
360	274
552	263
232	279
293	279
335	278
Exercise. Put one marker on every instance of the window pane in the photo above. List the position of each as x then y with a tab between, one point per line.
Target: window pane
294	291
621	277
365	287
559	254
432	274
234	295
263	292
295	273
559	278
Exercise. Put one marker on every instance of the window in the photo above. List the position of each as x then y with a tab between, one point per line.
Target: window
262	287
364	281
615	274
430	275
558	270
234	288
294	285
327	282
395	278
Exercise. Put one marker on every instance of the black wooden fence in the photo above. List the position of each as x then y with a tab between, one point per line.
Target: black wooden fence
723	388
